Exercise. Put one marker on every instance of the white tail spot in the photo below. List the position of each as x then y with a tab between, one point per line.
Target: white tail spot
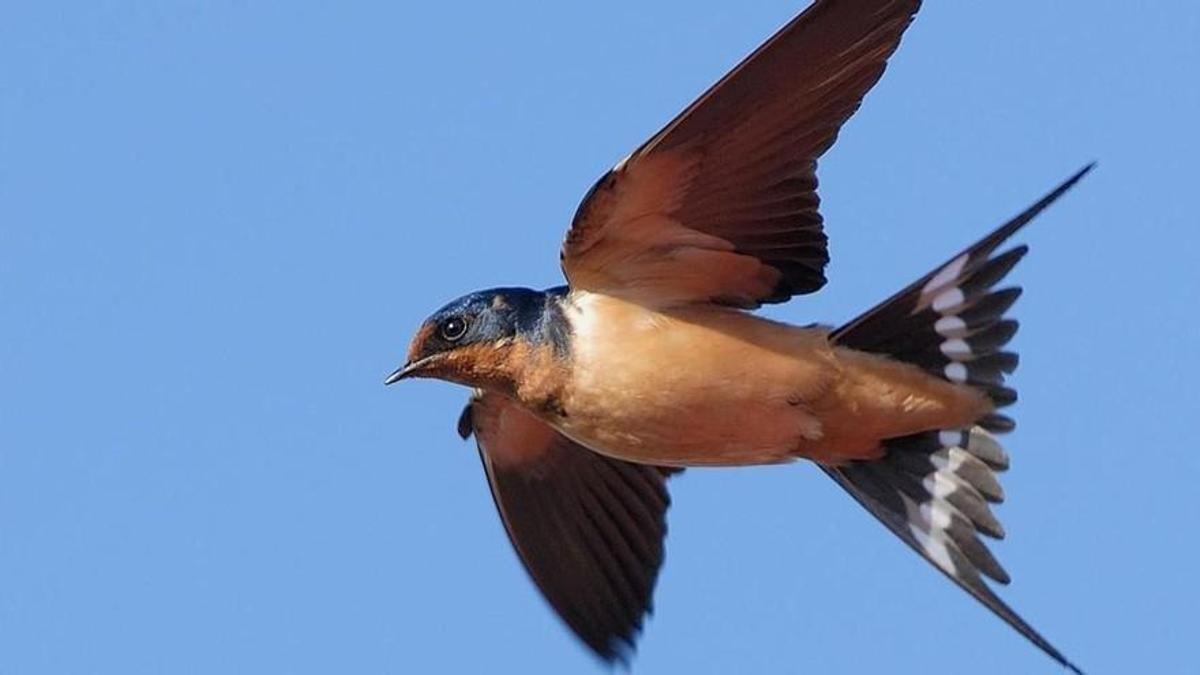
956	372
950	459
948	300
935	549
939	485
947	274
937	514
950	327
956	349
950	438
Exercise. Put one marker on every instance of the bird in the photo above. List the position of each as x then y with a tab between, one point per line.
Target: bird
588	398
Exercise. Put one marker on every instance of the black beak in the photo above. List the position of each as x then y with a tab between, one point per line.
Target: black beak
401	373
410	369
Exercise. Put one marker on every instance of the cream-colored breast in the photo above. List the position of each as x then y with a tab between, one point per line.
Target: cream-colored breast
693	386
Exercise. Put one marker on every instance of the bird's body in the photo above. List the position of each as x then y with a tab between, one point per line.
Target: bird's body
588	397
705	385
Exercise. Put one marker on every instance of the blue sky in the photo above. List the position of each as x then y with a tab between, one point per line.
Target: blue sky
220	222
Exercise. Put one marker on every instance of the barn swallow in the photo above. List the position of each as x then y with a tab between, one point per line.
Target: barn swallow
588	397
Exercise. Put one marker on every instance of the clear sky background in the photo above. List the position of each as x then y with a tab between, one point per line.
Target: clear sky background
221	221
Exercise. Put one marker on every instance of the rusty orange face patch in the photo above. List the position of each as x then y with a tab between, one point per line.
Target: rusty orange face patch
530	373
417	346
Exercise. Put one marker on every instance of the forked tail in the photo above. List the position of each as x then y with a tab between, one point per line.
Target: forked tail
933	489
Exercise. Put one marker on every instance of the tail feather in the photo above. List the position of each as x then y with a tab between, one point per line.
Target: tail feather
933	489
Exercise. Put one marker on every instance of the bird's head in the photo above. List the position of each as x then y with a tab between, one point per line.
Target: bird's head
483	339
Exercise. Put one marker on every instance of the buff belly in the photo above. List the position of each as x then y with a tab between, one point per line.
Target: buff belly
717	387
709	433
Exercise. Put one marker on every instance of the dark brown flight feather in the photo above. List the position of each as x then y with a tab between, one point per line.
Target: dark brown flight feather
743	160
589	529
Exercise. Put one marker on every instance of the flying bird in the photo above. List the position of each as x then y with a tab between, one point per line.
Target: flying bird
589	397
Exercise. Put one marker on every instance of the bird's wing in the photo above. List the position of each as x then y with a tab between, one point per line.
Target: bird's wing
721	205
589	529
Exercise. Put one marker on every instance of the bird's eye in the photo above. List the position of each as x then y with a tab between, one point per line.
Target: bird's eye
453	329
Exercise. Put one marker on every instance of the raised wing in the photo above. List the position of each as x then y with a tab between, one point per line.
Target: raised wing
721	205
589	529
